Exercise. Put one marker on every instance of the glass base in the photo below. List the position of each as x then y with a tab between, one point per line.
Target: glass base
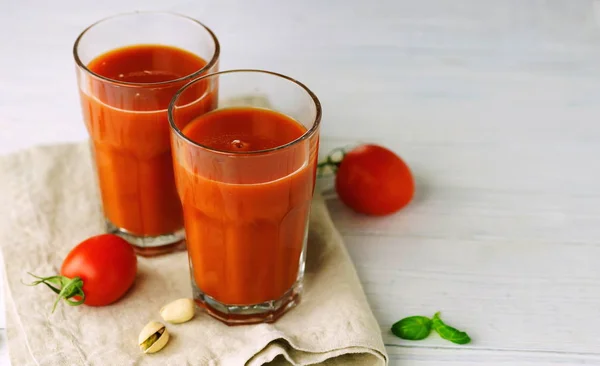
266	312
150	246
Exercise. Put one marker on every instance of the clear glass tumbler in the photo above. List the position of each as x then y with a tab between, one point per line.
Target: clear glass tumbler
129	67
245	173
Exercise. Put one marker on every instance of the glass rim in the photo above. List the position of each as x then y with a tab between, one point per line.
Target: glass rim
208	66
307	134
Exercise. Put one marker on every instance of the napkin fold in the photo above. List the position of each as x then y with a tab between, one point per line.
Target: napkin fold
48	203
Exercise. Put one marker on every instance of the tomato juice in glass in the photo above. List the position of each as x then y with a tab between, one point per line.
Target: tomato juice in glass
129	68
245	173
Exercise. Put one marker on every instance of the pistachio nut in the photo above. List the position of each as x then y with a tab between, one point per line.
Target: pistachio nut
153	337
178	311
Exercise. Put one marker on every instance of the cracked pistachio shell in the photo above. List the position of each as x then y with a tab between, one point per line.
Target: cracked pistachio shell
153	337
178	311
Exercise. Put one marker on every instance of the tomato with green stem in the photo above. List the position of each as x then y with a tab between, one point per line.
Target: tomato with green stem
372	180
96	272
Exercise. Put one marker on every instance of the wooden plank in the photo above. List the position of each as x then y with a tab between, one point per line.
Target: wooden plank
433	356
508	295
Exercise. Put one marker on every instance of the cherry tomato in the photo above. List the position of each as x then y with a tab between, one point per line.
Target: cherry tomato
107	265
374	180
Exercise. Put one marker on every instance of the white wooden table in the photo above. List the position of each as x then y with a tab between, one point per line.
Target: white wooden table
494	104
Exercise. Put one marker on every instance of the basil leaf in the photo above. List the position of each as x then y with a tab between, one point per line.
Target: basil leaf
447	332
413	328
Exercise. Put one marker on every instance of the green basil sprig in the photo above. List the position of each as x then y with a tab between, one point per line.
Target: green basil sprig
418	327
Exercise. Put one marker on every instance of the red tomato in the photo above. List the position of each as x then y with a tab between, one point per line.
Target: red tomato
374	180
107	265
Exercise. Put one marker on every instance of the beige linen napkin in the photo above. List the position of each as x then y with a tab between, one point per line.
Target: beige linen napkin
48	204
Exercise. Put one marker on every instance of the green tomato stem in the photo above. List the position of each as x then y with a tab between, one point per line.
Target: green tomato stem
65	287
331	162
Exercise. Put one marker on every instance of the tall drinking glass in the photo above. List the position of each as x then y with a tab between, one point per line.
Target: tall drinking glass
128	68
245	173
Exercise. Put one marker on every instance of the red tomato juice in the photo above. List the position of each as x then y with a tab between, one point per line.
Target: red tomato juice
129	132
245	214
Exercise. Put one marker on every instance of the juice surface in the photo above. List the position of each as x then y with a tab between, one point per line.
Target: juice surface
130	133
146	64
246	215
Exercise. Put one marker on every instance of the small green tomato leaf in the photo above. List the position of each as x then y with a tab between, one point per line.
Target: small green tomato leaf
413	328
447	332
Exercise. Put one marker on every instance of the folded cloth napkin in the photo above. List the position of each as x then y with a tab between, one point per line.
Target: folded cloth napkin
48	204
